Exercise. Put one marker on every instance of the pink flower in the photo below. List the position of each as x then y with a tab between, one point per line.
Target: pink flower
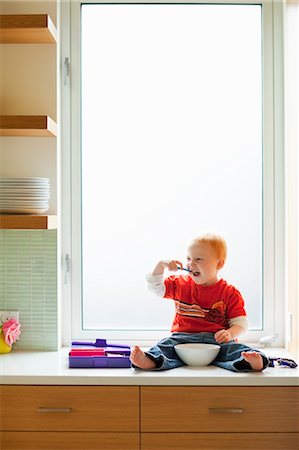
11	331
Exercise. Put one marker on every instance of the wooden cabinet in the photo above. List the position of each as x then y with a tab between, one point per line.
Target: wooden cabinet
71	408
183	418
69	417
219	441
149	418
72	440
221	409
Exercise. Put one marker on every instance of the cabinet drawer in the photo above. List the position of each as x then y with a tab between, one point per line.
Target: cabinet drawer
69	408
49	440
216	441
226	409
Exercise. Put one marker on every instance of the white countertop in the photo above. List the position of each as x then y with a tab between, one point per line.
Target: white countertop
39	368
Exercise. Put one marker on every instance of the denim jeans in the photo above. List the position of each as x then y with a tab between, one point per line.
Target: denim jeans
229	356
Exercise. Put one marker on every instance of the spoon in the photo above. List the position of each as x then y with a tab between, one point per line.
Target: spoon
188	270
184	268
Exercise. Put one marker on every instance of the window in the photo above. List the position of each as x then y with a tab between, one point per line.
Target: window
172	134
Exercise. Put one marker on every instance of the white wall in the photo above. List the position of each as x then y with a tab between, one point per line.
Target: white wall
292	167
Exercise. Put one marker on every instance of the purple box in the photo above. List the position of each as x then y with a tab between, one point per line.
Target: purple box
116	356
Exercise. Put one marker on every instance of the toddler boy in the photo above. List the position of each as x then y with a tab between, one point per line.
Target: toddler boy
208	310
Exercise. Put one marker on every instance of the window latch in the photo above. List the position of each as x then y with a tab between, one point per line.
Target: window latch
67	265
66	71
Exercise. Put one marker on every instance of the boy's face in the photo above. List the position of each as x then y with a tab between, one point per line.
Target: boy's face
204	264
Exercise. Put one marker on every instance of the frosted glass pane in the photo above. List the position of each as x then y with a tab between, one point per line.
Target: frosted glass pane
171	146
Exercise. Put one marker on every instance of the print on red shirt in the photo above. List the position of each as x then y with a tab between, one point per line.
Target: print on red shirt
203	308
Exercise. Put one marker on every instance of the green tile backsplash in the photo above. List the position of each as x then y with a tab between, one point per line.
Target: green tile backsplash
28	283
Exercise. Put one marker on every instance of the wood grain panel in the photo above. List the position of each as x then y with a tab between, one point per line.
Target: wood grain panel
217	441
40	126
212	409
17	440
27	222
92	408
27	29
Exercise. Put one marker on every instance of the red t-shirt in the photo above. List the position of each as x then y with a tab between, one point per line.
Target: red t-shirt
203	308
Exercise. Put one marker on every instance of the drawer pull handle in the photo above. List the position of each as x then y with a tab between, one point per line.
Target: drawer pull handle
54	410
226	410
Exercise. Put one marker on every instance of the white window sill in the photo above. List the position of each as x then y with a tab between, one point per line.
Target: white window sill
37	368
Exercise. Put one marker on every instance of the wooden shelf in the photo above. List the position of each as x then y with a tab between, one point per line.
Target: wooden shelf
23	222
27	29
27	126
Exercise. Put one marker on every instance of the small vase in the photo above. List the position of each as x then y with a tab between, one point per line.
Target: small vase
4	348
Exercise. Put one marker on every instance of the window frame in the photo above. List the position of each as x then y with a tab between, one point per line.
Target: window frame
273	177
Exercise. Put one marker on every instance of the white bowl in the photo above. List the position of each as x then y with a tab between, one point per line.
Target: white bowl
197	354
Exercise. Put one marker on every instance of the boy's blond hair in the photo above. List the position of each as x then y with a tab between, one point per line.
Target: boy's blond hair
216	242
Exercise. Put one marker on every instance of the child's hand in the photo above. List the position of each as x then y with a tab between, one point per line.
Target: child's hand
171	265
222	336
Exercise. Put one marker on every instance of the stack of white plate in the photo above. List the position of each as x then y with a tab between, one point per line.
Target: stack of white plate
29	195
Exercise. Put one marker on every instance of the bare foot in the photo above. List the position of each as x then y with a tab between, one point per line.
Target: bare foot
140	359
254	359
